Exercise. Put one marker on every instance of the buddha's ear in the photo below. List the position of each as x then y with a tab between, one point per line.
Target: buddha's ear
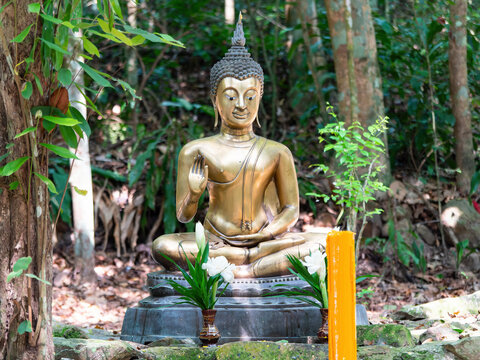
214	103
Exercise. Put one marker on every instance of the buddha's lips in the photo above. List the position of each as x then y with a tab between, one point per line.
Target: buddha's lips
240	116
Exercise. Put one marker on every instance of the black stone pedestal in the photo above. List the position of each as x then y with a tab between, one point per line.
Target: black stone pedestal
242	313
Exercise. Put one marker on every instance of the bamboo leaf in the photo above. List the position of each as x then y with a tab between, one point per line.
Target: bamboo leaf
13	166
116	8
55	47
48	182
90	47
94	74
61	120
20	37
65	76
39	84
51	19
26	131
60	151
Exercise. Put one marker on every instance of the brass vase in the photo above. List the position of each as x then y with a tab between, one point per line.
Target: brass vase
322	333
209	334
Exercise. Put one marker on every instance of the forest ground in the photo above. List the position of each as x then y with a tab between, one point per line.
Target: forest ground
122	283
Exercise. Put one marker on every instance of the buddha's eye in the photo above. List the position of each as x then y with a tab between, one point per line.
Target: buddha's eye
231	98
250	97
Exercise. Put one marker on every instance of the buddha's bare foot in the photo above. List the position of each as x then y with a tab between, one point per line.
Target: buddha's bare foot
243	271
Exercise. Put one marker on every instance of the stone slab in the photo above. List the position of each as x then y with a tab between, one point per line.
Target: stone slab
243	313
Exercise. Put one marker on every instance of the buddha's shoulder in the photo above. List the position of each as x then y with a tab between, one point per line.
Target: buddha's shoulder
276	147
196	146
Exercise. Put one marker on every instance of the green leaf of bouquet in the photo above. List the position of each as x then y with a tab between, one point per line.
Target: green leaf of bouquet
99	79
48	182
22	263
27	90
65	76
26	131
25	326
13	166
20	37
60	151
61	120
34	8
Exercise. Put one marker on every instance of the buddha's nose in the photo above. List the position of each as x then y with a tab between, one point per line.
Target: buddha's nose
241	103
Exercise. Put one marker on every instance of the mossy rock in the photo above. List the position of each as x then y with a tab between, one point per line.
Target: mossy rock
431	351
384	334
177	353
81	349
265	350
69	332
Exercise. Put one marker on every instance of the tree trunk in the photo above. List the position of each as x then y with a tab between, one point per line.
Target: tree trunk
457	60
229	12
366	82
24	220
81	178
307	13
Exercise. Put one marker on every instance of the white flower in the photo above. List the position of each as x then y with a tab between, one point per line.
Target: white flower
219	265
316	263
200	235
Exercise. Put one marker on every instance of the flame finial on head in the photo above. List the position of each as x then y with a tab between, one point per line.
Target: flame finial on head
238	38
236	63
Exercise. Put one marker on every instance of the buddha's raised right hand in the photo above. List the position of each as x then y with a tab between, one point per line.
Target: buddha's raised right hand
198	176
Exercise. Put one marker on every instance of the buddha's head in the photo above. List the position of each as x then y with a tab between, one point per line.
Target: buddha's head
236	84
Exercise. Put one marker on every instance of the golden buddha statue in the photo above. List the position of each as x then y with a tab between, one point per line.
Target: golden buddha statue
251	181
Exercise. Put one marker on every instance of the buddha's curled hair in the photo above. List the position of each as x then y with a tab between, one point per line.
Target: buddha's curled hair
236	63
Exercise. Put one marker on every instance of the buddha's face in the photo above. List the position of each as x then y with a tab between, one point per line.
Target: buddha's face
237	101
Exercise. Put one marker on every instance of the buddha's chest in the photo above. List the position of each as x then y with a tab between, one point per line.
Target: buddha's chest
230	165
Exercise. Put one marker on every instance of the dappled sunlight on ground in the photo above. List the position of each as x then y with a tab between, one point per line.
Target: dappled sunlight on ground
120	285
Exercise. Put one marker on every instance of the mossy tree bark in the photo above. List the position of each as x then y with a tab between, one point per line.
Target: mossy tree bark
460	99
24	220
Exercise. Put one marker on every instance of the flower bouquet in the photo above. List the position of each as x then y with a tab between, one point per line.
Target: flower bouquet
313	271
205	276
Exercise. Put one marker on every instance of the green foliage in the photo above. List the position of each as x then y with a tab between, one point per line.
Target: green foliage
20	266
202	291
25	326
417	30
461	248
357	152
316	296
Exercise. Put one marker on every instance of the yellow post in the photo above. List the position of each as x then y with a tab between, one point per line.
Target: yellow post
342	334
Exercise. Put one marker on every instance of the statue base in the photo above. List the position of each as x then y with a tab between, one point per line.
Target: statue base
242	313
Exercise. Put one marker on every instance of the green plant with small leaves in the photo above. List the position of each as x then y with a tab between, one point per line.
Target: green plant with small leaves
20	266
357	152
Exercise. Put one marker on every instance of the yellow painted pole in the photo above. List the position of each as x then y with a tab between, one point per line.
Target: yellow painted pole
342	334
